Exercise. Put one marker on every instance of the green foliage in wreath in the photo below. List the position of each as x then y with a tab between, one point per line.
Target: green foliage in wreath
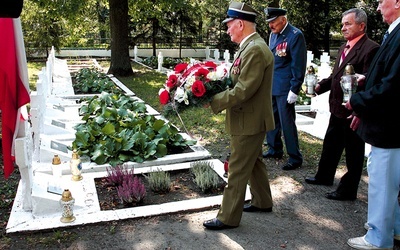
116	129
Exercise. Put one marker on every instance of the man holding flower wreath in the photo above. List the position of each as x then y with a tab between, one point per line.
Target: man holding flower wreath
249	116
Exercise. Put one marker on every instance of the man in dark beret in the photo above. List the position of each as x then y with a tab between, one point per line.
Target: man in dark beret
249	115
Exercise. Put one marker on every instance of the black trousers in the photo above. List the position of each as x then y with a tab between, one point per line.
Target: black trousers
340	137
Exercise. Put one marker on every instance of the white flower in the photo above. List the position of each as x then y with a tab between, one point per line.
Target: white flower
222	71
181	95
213	76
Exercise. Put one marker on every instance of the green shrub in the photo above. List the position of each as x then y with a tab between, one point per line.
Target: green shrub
116	129
204	175
159	181
92	81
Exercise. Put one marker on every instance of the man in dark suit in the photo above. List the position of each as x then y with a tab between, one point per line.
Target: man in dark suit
376	109
249	116
359	52
288	45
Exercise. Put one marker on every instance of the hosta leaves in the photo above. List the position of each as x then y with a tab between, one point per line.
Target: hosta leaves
117	130
108	129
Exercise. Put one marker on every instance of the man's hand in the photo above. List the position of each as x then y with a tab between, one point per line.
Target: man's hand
317	87
292	97
355	122
360	79
348	106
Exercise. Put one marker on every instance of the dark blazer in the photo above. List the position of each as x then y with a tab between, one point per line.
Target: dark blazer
289	70
378	106
360	56
249	103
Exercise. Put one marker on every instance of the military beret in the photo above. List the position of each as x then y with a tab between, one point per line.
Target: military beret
273	13
240	11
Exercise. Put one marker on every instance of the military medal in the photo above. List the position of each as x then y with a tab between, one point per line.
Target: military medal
235	67
281	49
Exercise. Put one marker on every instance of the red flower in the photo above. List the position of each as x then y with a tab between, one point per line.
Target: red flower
198	88
201	73
164	97
210	64
172	81
179	68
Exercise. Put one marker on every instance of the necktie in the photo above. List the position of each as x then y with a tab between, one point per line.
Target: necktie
385	36
343	56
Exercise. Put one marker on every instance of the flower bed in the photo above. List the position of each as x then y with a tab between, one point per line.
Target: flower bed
183	188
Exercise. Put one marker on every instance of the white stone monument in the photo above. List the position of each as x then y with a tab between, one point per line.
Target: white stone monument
135	51
310	57
216	54
160	61
207	51
324	70
227	56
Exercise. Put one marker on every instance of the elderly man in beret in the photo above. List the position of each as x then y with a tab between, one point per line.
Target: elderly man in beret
288	45
249	116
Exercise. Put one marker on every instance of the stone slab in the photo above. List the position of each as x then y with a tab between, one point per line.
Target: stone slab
87	210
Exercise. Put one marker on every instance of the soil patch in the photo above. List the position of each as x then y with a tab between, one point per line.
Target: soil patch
183	187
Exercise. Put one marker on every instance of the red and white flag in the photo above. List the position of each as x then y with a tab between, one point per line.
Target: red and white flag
14	87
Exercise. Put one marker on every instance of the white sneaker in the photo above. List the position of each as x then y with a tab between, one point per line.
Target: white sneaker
361	243
367	227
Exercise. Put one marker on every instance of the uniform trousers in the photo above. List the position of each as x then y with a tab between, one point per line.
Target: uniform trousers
245	167
285	121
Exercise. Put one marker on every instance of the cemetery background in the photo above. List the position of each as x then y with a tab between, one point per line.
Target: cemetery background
302	219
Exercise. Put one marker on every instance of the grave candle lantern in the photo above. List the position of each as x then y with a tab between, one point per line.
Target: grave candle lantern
67	205
348	83
76	166
55	166
310	81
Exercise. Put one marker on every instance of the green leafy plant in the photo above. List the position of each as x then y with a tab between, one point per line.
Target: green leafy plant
91	80
204	175
116	129
159	181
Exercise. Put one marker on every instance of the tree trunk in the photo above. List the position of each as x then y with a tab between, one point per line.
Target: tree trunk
120	61
327	27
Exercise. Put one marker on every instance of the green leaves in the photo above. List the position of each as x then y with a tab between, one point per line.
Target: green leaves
91	80
118	130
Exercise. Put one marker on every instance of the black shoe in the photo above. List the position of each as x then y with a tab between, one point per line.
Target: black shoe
215	224
315	181
268	154
291	166
251	208
339	197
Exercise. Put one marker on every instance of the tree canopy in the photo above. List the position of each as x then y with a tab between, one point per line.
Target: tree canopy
122	24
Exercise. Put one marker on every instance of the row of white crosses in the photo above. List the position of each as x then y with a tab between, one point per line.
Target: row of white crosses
323	71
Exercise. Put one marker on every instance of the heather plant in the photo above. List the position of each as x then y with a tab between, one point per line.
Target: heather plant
132	190
204	175
115	175
159	181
